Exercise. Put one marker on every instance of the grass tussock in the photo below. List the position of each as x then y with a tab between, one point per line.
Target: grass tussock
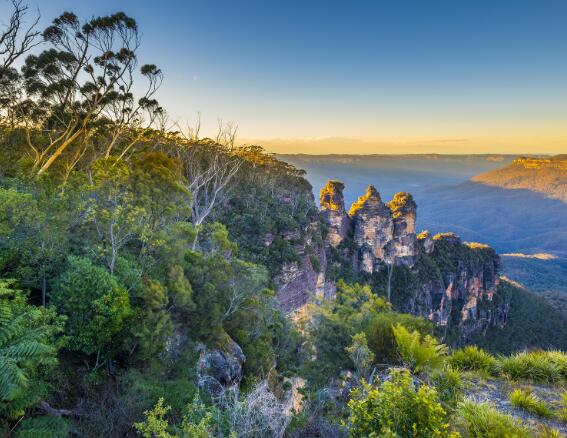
472	358
562	415
481	420
536	366
527	400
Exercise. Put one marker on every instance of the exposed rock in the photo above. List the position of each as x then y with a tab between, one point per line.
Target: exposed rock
334	213
220	368
461	296
403	251
299	281
449	282
373	228
427	240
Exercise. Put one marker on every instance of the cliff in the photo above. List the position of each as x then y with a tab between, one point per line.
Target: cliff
451	283
547	176
275	222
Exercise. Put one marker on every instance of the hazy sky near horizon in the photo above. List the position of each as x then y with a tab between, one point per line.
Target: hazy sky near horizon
407	76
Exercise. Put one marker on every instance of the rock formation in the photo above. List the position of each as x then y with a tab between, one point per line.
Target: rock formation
440	278
373	229
333	211
447	281
220	368
384	233
298	282
463	295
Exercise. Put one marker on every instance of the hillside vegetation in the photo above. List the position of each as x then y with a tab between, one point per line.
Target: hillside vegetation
137	280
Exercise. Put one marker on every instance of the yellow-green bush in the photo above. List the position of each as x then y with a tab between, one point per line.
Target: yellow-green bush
397	409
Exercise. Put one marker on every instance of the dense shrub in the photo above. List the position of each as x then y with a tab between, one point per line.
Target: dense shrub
397	409
420	355
537	366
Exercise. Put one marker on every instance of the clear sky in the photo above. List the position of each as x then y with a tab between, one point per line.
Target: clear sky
398	75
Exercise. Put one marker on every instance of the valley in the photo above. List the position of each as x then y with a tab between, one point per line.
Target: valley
451	198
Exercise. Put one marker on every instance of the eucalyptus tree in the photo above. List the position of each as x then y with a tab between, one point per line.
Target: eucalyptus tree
16	39
83	79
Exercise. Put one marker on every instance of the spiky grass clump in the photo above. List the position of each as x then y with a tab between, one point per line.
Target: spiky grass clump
449	386
481	420
537	366
472	358
563	411
525	399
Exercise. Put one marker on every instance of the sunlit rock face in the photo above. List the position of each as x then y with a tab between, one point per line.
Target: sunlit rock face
403	250
427	239
384	233
333	211
462	296
454	283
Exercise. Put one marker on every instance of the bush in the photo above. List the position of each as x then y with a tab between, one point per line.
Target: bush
417	354
96	306
537	366
481	420
397	408
525	399
472	358
448	384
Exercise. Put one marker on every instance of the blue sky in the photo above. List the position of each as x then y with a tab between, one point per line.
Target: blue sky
488	75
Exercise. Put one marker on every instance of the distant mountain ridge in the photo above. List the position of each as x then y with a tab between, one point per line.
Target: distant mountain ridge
547	176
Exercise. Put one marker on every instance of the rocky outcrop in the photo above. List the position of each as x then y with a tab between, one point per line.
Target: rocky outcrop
461	293
220	368
384	233
445	280
427	239
333	211
440	278
373	229
403	250
298	282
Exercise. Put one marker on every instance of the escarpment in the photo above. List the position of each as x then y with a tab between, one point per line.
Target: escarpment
375	241
451	283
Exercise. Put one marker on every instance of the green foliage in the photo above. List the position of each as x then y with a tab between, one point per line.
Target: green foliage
42	427
449	386
536	366
419	355
481	420
525	399
563	407
380	335
96	307
397	409
155	425
531	323
355	309
360	354
472	358
197	423
28	348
